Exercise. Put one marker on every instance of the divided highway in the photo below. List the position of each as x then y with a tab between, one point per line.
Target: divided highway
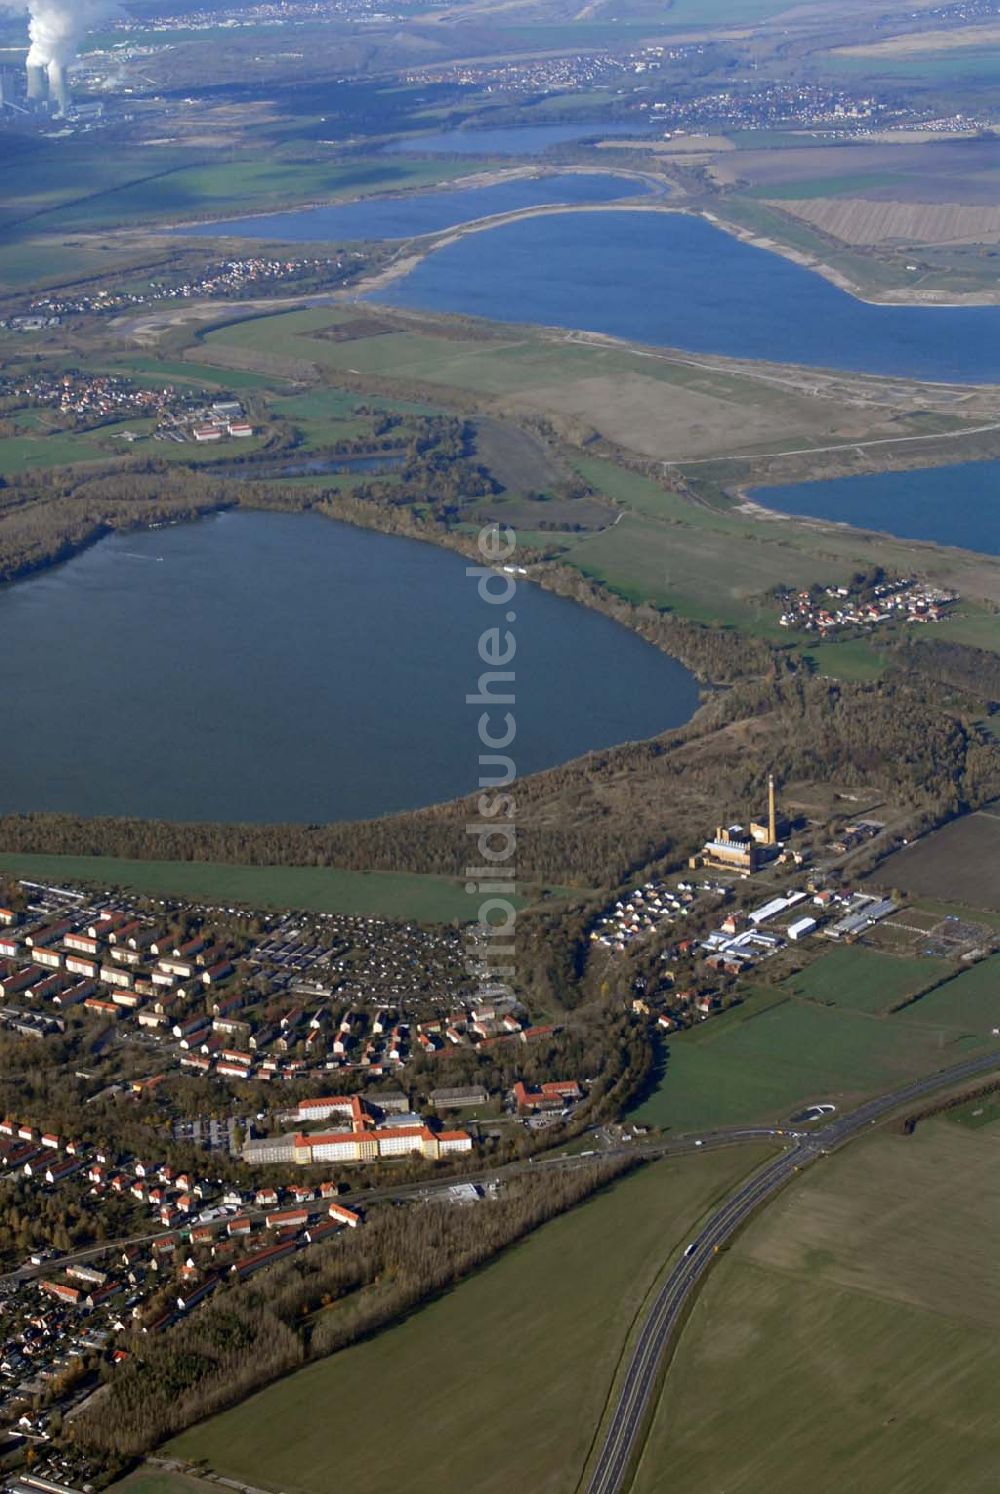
625	1428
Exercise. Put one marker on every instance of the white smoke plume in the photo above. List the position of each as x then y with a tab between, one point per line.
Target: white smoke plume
57	27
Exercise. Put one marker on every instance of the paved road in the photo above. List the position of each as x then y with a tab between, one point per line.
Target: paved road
678	1146
623	1436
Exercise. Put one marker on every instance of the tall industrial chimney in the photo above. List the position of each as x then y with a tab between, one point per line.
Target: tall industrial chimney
58	87
38	83
772	817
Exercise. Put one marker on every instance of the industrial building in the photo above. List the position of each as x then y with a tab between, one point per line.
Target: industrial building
736	849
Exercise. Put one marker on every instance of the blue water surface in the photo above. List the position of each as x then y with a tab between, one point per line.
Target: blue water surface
673	280
956	505
264	666
420	212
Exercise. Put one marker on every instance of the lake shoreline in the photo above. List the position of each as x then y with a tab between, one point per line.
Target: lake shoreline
489	176
603	606
501	175
415	256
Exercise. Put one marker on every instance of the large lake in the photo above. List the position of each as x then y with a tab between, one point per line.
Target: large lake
957	505
674	280
258	666
512	140
421	212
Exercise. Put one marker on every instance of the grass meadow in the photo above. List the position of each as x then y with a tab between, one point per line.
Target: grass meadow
863	979
313	889
764	1059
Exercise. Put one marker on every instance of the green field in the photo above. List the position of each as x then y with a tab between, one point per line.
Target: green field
864	980
854	659
968	1004
193	373
976	1114
971	64
241	186
854	185
313	889
150	1481
496	1386
26	453
763	1059
850	1339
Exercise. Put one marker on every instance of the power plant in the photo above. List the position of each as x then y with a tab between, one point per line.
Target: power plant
56	29
737	849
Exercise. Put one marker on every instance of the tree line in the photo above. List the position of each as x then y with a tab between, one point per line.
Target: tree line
596	820
317	1302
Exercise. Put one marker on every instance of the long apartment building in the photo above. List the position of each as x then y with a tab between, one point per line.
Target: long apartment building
377	1145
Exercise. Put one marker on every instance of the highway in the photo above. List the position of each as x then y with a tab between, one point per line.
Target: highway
622	1439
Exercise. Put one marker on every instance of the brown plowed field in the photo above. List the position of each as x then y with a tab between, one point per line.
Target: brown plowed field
855	220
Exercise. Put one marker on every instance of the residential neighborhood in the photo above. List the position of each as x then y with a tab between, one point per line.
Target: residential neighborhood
833	609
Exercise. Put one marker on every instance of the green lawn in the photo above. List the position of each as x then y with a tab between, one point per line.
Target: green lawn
707	578
863	979
340	404
850	1339
313	889
767	1057
500	1384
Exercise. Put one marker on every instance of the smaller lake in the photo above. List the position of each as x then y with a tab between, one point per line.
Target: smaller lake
957	505
515	140
421	212
265	666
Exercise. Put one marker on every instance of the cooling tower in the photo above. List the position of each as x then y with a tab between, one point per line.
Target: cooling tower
38	83
58	87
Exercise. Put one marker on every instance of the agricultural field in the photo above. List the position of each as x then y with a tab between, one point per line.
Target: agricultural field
243	185
960	863
849	1338
970	1003
857	221
313	889
157	1481
943	66
912	43
864	980
536	1334
931	171
60	449
764	1059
